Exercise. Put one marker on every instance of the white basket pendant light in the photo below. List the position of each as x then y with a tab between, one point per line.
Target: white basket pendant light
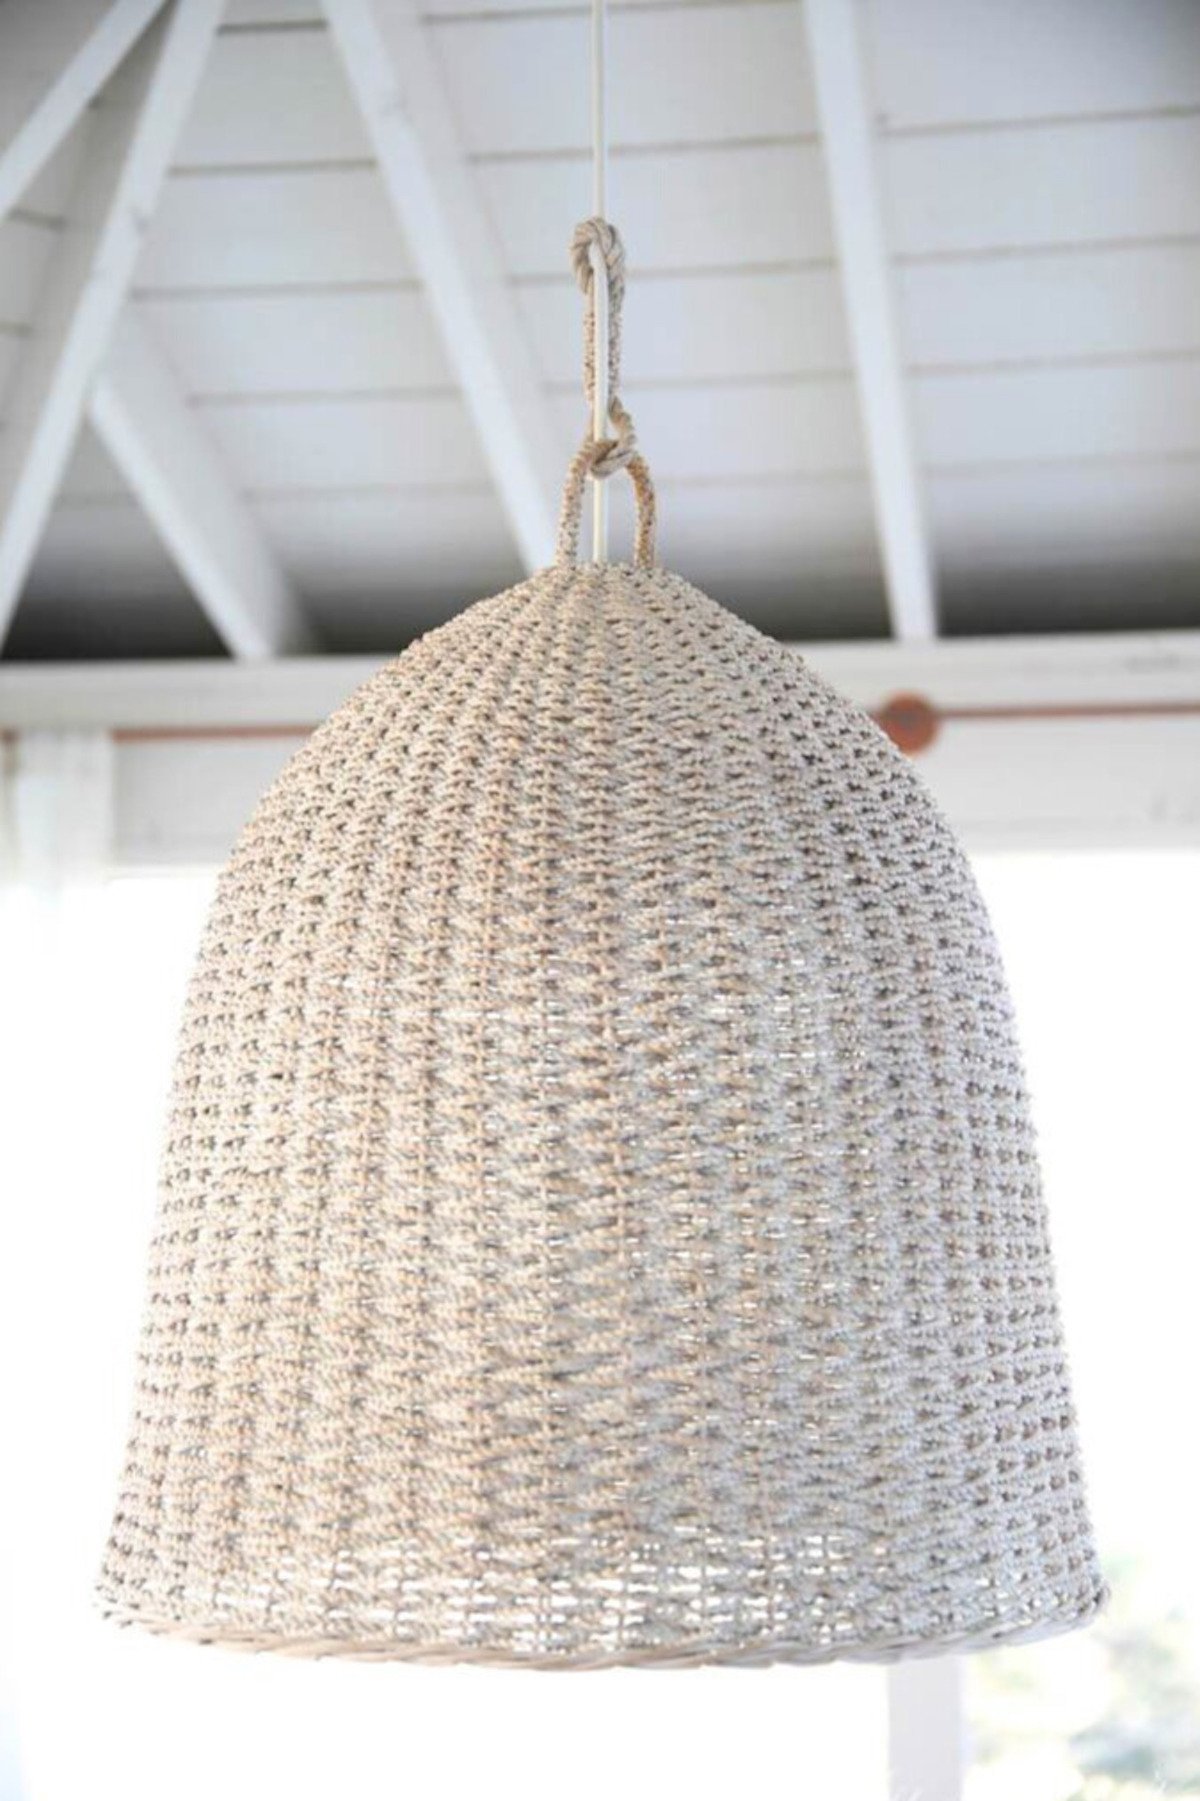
600	1218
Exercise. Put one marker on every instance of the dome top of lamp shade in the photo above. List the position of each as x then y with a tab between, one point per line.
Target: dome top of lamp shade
600	1217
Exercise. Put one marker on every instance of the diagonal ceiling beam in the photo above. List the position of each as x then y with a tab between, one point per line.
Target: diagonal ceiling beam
395	78
54	66
207	527
131	133
844	106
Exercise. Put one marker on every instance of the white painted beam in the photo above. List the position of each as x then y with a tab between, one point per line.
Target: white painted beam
55	62
1012	768
926	1738
844	107
131	133
394	75
957	675
178	477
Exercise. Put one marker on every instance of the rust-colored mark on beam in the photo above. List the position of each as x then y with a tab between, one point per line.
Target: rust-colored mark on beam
913	723
910	721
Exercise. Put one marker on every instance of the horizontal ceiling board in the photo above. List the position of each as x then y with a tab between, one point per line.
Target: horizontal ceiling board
489	9
680	75
695	209
102	585
308	226
43	41
374	568
11	348
273	12
1043	185
696	327
327	445
338	544
49	193
767	581
789	532
384	618
91	477
1086	599
1071	515
25	254
725	432
1139	300
783	554
272	97
41	38
107	547
935	64
1059	414
292	343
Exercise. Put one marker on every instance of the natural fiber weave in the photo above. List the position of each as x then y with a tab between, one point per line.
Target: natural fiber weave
600	1218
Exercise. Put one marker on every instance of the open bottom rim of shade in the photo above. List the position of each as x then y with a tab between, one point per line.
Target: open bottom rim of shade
690	1655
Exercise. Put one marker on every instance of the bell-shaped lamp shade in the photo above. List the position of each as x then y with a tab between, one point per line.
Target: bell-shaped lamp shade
600	1218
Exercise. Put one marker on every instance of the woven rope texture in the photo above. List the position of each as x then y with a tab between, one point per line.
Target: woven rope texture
600	1220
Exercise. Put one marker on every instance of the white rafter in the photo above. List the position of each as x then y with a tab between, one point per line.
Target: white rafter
394	76
52	72
181	484
844	106
131	133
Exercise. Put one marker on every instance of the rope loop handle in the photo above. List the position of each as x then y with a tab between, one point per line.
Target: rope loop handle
601	457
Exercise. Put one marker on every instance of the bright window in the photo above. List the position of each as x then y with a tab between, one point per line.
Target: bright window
1102	953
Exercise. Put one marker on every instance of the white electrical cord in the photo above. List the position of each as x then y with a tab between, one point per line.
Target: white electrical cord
600	428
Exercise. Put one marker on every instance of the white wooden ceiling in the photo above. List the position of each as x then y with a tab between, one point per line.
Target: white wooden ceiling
1039	168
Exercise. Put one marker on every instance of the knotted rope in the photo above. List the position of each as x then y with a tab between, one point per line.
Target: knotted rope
602	457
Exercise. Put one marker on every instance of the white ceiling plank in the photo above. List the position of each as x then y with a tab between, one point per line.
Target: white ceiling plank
272	227
978	63
56	60
343	442
757	204
25	253
184	489
401	93
1073	516
273	12
663	91
1037	417
10	356
351	546
736	324
1043	186
103	585
736	431
273	97
1137	300
846	123
294	344
91	478
131	134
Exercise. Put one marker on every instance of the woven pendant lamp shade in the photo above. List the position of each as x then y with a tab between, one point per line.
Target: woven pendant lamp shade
600	1217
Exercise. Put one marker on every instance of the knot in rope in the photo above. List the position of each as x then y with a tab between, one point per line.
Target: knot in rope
600	457
607	240
604	455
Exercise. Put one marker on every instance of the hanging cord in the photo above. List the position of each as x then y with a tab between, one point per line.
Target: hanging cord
598	259
597	325
615	445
